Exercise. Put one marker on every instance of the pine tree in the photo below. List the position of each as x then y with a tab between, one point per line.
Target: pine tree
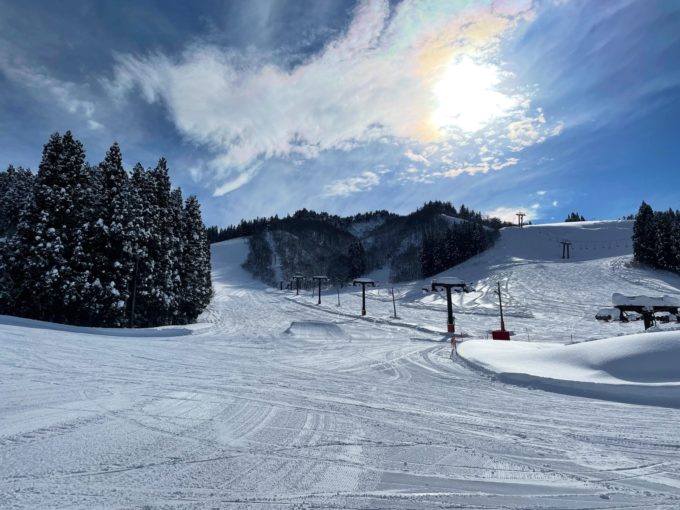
37	262
81	244
113	265
643	235
574	217
16	194
195	267
357	259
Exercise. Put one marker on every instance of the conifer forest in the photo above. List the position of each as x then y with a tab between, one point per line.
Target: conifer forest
95	245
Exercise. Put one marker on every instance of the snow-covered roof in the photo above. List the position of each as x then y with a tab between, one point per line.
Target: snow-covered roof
320	277
646	301
363	280
614	313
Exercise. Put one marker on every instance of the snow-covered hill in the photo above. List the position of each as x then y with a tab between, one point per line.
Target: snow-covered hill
273	401
546	298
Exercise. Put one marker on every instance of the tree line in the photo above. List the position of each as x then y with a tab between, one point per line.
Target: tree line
96	246
443	249
258	225
573	217
656	238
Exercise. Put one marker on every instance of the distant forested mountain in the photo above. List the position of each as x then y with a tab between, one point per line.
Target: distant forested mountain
420	244
96	246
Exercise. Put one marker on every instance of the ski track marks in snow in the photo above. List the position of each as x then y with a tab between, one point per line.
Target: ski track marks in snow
235	413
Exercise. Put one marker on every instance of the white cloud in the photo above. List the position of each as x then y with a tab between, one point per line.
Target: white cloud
343	187
391	76
541	193
417	157
483	166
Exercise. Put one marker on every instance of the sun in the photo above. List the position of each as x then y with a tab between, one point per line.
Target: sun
466	96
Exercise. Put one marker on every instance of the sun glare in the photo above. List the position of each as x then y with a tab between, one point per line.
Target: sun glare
466	96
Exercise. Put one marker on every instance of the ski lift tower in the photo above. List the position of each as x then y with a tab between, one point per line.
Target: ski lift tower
363	282
520	218
319	279
565	248
448	283
298	278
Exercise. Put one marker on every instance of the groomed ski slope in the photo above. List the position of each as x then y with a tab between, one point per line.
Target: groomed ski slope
274	402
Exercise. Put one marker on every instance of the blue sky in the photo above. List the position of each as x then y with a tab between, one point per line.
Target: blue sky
264	107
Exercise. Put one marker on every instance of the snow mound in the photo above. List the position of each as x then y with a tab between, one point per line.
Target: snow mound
315	329
640	369
159	332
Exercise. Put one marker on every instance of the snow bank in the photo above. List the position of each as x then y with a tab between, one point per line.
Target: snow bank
159	332
640	369
315	329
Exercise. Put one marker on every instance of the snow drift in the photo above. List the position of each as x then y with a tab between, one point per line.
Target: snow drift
315	329
640	369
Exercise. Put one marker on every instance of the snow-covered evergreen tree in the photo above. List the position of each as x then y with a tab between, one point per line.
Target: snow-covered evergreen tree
16	194
195	267
92	246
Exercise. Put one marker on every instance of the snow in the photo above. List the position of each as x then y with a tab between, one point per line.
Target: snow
364	280
362	228
646	301
642	368
608	313
315	329
272	401
448	280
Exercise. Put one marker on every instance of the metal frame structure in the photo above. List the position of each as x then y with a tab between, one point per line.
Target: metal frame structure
449	283
320	279
297	278
363	282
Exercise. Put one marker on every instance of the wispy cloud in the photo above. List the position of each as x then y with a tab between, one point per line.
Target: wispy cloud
425	74
343	187
67	95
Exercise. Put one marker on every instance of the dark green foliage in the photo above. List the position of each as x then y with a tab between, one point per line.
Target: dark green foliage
78	240
16	194
441	250
345	248
656	238
357	259
574	217
260	258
